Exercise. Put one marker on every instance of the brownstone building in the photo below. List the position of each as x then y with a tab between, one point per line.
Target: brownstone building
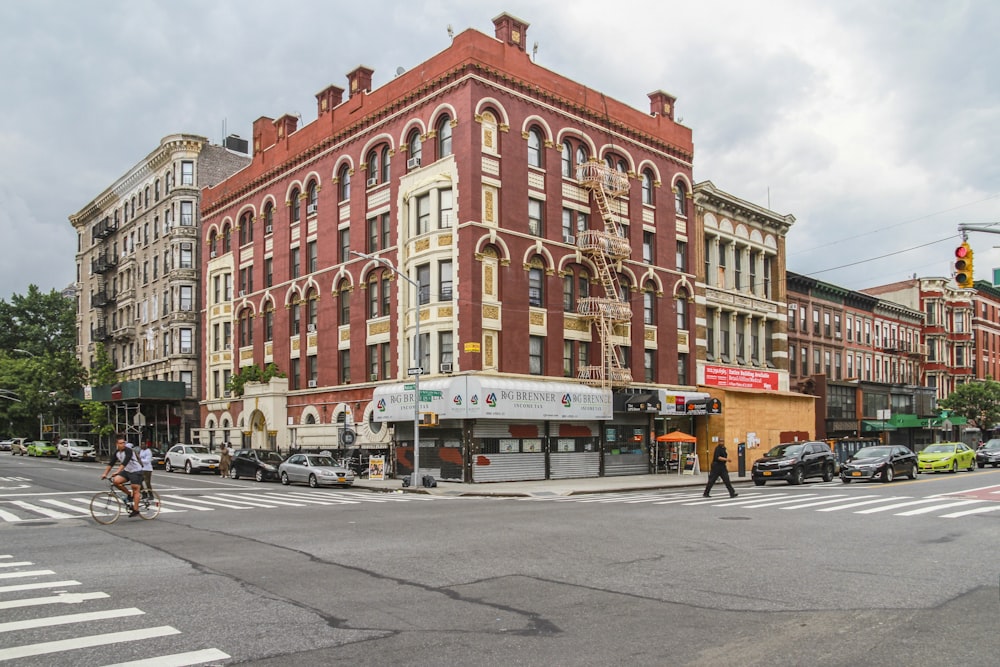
536	233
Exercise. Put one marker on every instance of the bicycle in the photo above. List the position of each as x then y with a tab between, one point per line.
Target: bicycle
107	506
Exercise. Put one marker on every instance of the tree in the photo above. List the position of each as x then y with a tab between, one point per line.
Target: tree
253	373
101	373
979	402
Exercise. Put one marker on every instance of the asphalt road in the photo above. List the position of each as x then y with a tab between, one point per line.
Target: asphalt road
245	573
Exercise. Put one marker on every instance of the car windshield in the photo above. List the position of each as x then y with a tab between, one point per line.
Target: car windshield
271	457
939	449
871	452
788	449
320	461
992	444
196	450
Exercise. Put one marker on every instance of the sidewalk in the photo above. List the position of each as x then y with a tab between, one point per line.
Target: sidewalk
555	487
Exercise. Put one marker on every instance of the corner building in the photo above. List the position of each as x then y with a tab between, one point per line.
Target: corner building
541	232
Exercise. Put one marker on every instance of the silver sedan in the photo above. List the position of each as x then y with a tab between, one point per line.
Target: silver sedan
314	470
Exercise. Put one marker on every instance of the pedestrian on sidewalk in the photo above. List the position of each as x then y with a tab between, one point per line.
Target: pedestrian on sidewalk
720	459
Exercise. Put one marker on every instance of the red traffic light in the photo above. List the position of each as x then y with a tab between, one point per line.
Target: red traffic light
962	251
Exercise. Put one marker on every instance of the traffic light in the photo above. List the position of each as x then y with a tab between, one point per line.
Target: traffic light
963	265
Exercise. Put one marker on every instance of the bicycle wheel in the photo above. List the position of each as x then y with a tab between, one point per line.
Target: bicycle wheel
105	507
149	505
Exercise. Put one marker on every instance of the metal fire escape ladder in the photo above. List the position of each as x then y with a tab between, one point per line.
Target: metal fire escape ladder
606	249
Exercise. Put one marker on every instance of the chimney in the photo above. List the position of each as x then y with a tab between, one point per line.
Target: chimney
511	30
661	104
328	98
359	80
263	134
286	125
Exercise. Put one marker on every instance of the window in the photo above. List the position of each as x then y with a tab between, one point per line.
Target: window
312	198
423	214
535	221
187	377
295	318
536	347
682	368
793	365
295	210
446	348
268	272
536	294
649	365
345	303
826	325
344	182
373	167
186	259
534	148
384	172
295	263
444	281
187	298
647	187
568	359
680	199
445	200
567	160
227	238
384	221
415	149
373	235
312	368
681	307
444	137
269	322
815	313
187	172
268	218
345	366
345	244
187	341
816	361
187	214
424	283
681	256
312	310
313	257
647	247
294	371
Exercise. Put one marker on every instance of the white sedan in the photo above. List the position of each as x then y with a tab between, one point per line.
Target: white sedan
190	459
314	470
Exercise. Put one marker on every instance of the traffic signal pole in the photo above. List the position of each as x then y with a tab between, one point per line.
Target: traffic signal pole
962	268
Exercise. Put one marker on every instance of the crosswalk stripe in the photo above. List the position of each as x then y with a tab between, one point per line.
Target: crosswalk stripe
177	659
43	648
310	501
771	503
31	587
730	502
326	498
62	598
975	510
936	508
8	516
260	498
67	506
52	514
29	573
858	504
886	508
17	564
828	501
202	499
172	500
69	618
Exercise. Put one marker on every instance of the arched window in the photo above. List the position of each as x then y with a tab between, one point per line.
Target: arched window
344	181
649	304
269	321
312	197
246	328
534	147
373	168
385	173
310	419
345	302
246	228
536	283
227	238
268	218
312	310
213	239
581	154
680	198
576	286
444	137
567	160
647	187
415	149
625	288
293	203
680	305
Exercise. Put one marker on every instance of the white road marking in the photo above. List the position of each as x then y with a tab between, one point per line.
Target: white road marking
52	514
31	587
29	573
769	503
886	508
43	648
258	498
936	508
835	499
62	598
859	504
69	618
7	516
85	511
177	659
17	564
977	510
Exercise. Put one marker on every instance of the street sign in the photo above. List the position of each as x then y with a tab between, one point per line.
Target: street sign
415	371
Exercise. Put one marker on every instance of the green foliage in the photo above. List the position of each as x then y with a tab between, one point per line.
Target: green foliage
98	415
253	373
979	402
103	371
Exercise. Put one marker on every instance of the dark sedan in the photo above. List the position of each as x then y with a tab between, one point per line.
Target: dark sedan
989	453
260	464
882	462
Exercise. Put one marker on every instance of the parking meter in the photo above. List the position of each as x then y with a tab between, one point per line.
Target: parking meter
741	458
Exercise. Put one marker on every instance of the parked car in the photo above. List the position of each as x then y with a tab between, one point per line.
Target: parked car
988	453
6	445
314	470
190	459
159	458
946	456
795	462
75	450
261	464
19	446
41	448
883	462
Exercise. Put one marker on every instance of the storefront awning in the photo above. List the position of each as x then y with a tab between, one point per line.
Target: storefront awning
874	426
675	403
643	403
486	397
903	420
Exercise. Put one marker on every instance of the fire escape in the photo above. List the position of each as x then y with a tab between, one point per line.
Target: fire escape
606	249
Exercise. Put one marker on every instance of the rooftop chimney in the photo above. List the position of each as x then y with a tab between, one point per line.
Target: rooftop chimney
359	80
328	98
662	104
511	30
264	134
286	125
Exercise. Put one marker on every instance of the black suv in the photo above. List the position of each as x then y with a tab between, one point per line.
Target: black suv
989	453
260	464
795	462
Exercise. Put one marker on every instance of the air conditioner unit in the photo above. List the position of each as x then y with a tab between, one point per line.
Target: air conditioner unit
229	346
372	182
311	328
243	292
312	384
226	394
268	229
569	238
429	419
446	367
213	254
413	163
837	335
311	209
374	377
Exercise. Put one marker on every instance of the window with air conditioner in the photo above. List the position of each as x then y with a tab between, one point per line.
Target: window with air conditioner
213	254
446	367
374	377
243	292
312	384
311	209
372	182
268	229
311	328
569	238
413	163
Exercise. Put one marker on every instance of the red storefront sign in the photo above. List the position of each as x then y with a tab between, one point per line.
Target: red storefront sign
742	378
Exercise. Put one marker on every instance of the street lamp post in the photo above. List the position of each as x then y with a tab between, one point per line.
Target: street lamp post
416	349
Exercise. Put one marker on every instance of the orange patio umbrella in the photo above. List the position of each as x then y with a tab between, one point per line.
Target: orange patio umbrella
676	436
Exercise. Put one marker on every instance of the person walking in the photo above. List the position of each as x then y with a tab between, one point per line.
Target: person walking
720	459
146	459
129	470
225	458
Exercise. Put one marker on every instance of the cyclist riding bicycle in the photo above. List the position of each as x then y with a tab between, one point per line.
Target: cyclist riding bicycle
129	470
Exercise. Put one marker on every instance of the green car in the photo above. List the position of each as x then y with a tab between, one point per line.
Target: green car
946	457
41	448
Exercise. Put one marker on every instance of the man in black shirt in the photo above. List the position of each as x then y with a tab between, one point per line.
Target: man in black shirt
719	471
129	471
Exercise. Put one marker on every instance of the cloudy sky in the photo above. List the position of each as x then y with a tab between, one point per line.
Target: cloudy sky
876	123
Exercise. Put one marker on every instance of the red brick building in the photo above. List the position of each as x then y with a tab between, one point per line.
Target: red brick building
542	228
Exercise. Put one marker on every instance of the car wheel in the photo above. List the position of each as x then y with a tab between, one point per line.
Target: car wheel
259	475
828	472
187	468
284	479
797	477
983	465
888	474
954	466
972	466
312	481
759	482
913	472
168	467
234	473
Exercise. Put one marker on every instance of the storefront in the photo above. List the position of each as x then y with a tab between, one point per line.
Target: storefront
491	429
679	411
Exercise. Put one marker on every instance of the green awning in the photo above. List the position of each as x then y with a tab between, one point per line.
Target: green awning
870	426
938	422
